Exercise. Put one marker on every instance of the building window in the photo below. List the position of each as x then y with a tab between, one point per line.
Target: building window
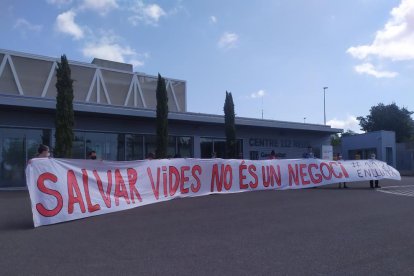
134	147
78	145
216	147
185	146
105	145
150	144
17	146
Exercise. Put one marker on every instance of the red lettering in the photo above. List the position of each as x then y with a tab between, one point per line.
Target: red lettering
194	170
91	208
275	176
164	178
329	176
176	174
228	181
41	186
73	186
242	167
318	178
120	188
252	172
155	189
266	180
184	179
303	174
293	174
343	170
333	170
132	180
105	196
217	178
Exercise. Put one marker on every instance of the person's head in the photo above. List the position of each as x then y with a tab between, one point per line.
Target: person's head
373	156
43	151
150	155
273	153
92	155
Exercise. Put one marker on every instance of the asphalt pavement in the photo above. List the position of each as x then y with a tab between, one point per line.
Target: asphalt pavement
322	231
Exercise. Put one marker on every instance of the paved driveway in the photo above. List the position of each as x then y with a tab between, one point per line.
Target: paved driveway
314	231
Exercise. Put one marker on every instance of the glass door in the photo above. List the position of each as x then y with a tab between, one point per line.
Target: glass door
13	160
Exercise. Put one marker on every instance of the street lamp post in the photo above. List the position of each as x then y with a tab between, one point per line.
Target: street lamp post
324	110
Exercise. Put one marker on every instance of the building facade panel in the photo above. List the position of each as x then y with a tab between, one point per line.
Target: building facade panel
361	146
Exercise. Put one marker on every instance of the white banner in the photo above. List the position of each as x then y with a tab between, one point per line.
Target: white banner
69	189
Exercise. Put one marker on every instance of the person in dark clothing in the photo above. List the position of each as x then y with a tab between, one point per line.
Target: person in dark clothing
339	158
374	183
92	155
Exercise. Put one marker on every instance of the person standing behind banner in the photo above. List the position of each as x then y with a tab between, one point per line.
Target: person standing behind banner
309	154
272	155
371	182
42	151
339	158
150	156
92	155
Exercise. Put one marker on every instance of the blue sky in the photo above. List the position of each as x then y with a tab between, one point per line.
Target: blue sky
272	55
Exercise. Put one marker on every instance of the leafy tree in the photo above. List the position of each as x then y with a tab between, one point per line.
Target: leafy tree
230	127
389	117
348	133
65	119
162	119
335	140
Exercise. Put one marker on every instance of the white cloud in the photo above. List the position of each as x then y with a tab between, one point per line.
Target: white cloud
136	63
65	23
149	14
59	3
369	69
24	25
108	48
213	19
396	40
100	6
350	123
228	40
258	94
109	51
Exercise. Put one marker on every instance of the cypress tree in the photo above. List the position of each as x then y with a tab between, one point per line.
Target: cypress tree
230	127
65	118
162	119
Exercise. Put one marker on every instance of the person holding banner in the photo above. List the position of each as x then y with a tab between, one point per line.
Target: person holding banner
339	158
43	151
309	154
92	155
371	182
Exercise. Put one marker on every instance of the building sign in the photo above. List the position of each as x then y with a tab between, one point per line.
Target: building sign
278	143
327	152
68	189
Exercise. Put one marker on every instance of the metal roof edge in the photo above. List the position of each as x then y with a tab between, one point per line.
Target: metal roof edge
48	103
